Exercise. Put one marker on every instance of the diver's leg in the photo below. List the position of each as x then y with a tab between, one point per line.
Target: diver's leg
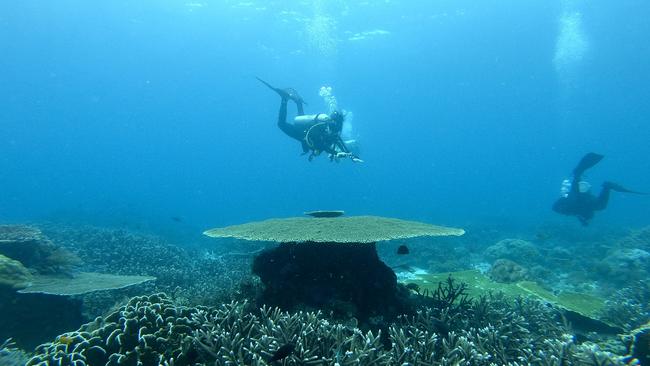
587	161
282	116
603	198
301	109
287	128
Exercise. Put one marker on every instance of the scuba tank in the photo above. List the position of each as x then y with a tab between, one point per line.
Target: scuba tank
308	120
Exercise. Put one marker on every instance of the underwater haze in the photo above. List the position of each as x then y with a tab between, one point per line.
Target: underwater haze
466	112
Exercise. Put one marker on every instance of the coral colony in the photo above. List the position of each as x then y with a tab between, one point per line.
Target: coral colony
309	291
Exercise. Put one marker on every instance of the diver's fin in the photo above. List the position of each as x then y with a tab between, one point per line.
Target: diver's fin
282	93
619	188
587	161
288	93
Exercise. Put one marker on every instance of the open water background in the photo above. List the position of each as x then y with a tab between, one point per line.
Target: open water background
131	113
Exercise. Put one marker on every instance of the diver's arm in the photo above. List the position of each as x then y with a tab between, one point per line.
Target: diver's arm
342	145
345	152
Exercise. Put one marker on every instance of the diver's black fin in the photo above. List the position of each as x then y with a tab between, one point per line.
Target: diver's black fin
619	188
587	161
282	93
288	93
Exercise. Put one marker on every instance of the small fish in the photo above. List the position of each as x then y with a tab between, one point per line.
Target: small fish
403	249
282	352
67	340
176	219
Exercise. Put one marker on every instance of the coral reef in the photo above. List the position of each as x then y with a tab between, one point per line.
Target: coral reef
324	261
81	283
30	319
353	229
491	330
13	274
147	330
189	275
629	307
507	271
10	355
349	280
583	310
637	239
516	250
231	336
625	265
641	346
34	250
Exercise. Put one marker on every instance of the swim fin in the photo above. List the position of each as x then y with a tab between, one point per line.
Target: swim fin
619	188
587	161
288	93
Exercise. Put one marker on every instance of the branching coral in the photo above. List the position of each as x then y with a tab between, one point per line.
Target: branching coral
629	307
230	336
152	331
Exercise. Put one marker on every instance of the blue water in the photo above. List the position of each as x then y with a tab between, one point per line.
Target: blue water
133	112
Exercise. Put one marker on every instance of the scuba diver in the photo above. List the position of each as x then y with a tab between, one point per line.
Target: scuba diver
317	133
576	198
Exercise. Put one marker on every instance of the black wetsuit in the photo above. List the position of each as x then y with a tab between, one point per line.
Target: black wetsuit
583	204
316	136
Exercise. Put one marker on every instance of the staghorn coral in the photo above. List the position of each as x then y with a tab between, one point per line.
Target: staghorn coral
629	307
495	331
488	331
230	336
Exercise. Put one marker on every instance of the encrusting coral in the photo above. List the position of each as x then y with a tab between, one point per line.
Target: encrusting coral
12	273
